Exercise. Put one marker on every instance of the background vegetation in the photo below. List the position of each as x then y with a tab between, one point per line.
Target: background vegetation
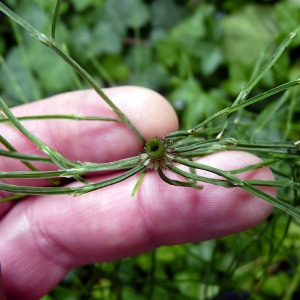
198	54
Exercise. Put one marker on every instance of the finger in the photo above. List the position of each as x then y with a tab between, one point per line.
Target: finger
97	141
59	233
93	141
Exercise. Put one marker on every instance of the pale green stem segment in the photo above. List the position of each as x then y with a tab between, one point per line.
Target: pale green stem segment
230	110
240	101
85	75
138	183
177	182
56	157
236	182
66	117
245	92
11	148
25	157
29	190
54	21
29	165
274	150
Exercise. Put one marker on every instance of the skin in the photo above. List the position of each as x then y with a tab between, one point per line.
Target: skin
42	238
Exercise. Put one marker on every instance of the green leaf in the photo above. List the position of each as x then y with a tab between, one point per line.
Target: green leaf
132	13
55	75
16	79
247	33
107	38
197	104
288	16
82	5
185	38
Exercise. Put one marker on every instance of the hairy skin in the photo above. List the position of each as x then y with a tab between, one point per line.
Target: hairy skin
42	238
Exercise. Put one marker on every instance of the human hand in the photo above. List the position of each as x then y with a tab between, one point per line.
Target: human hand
43	237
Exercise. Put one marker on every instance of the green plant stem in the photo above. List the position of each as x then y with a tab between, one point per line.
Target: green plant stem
83	169
31	190
138	183
244	185
284	150
58	116
29	165
54	21
196	177
245	92
56	157
25	157
85	75
229	110
177	182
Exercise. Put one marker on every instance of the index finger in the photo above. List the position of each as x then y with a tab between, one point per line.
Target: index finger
93	140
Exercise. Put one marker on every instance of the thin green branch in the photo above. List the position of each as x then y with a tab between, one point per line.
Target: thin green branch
138	183
196	177
25	157
230	110
264	95
56	157
54	21
286	150
245	92
31	190
277	183
272	200
84	74
58	116
244	185
177	182
94	186
26	163
259	165
83	169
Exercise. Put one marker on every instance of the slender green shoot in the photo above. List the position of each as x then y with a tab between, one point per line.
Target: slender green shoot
83	73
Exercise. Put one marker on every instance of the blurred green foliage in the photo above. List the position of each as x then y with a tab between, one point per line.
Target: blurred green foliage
198	54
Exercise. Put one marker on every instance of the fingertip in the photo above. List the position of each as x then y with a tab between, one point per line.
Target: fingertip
242	210
149	111
178	215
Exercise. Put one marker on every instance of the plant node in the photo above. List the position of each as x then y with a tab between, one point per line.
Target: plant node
157	154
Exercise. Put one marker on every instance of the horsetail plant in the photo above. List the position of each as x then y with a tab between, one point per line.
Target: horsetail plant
160	153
